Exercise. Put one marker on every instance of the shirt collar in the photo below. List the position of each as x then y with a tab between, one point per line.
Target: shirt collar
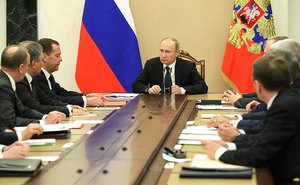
46	73
270	102
29	78
12	81
171	66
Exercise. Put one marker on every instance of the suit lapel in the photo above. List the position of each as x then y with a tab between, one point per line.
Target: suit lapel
178	68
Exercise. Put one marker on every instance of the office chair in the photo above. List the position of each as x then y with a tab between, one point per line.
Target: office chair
200	64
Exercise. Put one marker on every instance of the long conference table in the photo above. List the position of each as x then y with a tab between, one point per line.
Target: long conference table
127	147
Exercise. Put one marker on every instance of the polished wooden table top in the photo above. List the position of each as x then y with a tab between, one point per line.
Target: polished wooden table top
127	147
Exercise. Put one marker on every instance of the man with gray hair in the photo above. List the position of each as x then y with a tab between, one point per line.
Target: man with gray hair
14	65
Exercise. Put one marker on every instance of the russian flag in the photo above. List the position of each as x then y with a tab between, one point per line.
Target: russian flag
108	54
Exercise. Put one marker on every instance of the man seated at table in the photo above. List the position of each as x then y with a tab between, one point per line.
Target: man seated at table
50	63
31	95
8	136
168	73
14	65
277	145
251	122
241	100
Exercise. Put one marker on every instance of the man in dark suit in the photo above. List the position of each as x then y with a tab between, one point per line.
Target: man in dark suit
8	137
46	82
242	100
14	64
277	145
184	78
30	94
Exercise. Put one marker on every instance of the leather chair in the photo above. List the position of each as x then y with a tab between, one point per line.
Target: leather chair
200	64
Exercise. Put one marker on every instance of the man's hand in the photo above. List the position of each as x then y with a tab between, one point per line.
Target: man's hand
94	101
210	148
176	89
31	129
251	105
99	95
155	89
79	112
226	132
17	150
54	117
216	120
230	96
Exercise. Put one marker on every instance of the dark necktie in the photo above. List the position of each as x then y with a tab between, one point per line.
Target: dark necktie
168	80
52	82
33	89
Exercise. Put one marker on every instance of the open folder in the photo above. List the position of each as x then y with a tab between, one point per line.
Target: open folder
19	167
203	167
56	131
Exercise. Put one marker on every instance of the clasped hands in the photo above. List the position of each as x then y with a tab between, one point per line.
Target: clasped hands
155	89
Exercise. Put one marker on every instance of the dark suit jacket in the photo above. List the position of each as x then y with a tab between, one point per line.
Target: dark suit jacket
277	146
7	138
186	76
30	98
13	112
58	92
246	98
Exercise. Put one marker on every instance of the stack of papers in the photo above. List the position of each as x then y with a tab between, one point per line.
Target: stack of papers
192	135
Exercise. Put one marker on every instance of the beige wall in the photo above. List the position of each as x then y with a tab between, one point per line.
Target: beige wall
201	26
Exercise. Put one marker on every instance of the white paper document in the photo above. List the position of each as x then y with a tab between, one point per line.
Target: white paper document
202	130
82	116
88	121
189	142
202	161
209	116
199	137
106	108
216	107
43	158
39	142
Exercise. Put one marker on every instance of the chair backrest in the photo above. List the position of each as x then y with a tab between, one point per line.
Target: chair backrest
200	64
